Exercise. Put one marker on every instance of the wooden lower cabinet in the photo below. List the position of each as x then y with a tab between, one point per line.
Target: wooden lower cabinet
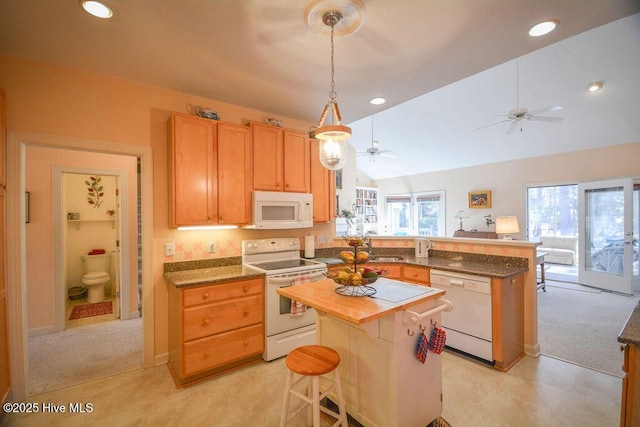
630	406
507	311
418	275
215	328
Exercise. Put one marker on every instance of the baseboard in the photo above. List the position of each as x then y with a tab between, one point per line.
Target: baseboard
45	330
161	359
533	351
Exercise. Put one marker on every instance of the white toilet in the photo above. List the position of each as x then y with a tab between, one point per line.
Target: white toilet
96	275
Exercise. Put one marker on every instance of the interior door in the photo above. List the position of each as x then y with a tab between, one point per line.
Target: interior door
606	235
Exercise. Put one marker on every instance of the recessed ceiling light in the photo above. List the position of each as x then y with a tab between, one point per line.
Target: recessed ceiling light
378	100
543	28
97	9
594	86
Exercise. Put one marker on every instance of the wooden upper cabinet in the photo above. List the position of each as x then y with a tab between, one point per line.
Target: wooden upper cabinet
297	177
267	157
234	174
280	159
192	171
323	187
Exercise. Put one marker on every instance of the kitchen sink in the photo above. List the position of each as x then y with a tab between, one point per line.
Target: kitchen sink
390	258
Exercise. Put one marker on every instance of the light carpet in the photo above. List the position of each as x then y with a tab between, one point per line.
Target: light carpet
580	325
83	354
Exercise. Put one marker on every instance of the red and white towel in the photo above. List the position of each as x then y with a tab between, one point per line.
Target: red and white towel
298	308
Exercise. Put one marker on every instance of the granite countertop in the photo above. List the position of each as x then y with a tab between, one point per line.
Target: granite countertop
630	333
211	275
480	266
199	272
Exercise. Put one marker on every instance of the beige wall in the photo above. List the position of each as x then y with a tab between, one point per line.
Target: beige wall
508	181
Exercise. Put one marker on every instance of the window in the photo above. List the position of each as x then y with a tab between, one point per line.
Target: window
552	211
416	214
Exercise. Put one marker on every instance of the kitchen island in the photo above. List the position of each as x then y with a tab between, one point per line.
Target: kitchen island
384	383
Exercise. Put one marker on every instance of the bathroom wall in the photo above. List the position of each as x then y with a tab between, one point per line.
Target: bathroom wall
96	228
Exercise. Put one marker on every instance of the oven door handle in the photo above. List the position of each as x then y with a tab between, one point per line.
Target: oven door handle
312	277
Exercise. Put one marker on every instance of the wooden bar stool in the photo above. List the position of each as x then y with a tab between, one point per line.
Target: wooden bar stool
311	362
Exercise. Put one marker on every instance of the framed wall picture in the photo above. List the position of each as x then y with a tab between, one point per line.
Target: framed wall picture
480	199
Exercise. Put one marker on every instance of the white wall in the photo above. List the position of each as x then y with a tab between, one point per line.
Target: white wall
508	181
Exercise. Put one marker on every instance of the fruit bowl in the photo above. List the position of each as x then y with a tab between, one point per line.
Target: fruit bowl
350	257
354	240
348	277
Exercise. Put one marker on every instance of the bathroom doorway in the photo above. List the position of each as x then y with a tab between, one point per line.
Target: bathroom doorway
91	243
60	183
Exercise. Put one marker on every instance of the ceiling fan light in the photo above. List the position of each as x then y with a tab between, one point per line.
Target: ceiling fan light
543	28
594	86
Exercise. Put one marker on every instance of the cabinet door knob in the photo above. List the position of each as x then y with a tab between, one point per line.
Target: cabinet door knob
206	322
245	289
245	313
205	295
205	355
246	343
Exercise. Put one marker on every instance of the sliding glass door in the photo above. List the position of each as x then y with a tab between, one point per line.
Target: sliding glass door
608	243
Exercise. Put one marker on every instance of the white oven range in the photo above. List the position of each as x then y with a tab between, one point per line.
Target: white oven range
279	259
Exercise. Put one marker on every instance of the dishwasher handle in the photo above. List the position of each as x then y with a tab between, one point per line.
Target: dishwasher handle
413	318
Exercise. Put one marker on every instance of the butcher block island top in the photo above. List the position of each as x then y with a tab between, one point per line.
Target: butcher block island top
391	296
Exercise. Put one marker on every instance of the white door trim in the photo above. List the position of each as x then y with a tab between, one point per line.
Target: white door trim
16	266
58	239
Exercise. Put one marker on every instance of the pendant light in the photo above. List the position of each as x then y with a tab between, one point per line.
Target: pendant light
333	137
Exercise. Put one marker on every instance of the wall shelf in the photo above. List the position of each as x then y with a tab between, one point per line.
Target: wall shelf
77	222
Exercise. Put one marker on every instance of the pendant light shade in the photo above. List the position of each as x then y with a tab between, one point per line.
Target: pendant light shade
332	137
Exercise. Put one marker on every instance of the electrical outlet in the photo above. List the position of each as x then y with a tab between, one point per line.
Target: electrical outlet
169	249
212	247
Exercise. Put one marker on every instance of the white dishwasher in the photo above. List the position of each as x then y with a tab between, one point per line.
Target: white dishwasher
469	324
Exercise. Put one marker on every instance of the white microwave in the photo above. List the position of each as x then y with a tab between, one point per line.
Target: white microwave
278	210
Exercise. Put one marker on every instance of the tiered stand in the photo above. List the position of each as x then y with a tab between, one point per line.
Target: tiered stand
360	290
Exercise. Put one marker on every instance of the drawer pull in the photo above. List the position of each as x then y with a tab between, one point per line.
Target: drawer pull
245	289
245	312
205	295
246	343
205	355
206	322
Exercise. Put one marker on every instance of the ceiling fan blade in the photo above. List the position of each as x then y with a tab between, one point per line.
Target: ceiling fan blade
389	155
546	119
545	110
492	124
512	127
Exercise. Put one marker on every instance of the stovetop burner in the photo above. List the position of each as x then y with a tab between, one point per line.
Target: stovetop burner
287	263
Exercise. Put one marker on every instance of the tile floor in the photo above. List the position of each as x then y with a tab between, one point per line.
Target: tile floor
536	392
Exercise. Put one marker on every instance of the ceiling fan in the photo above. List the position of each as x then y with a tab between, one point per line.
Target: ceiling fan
375	150
517	116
